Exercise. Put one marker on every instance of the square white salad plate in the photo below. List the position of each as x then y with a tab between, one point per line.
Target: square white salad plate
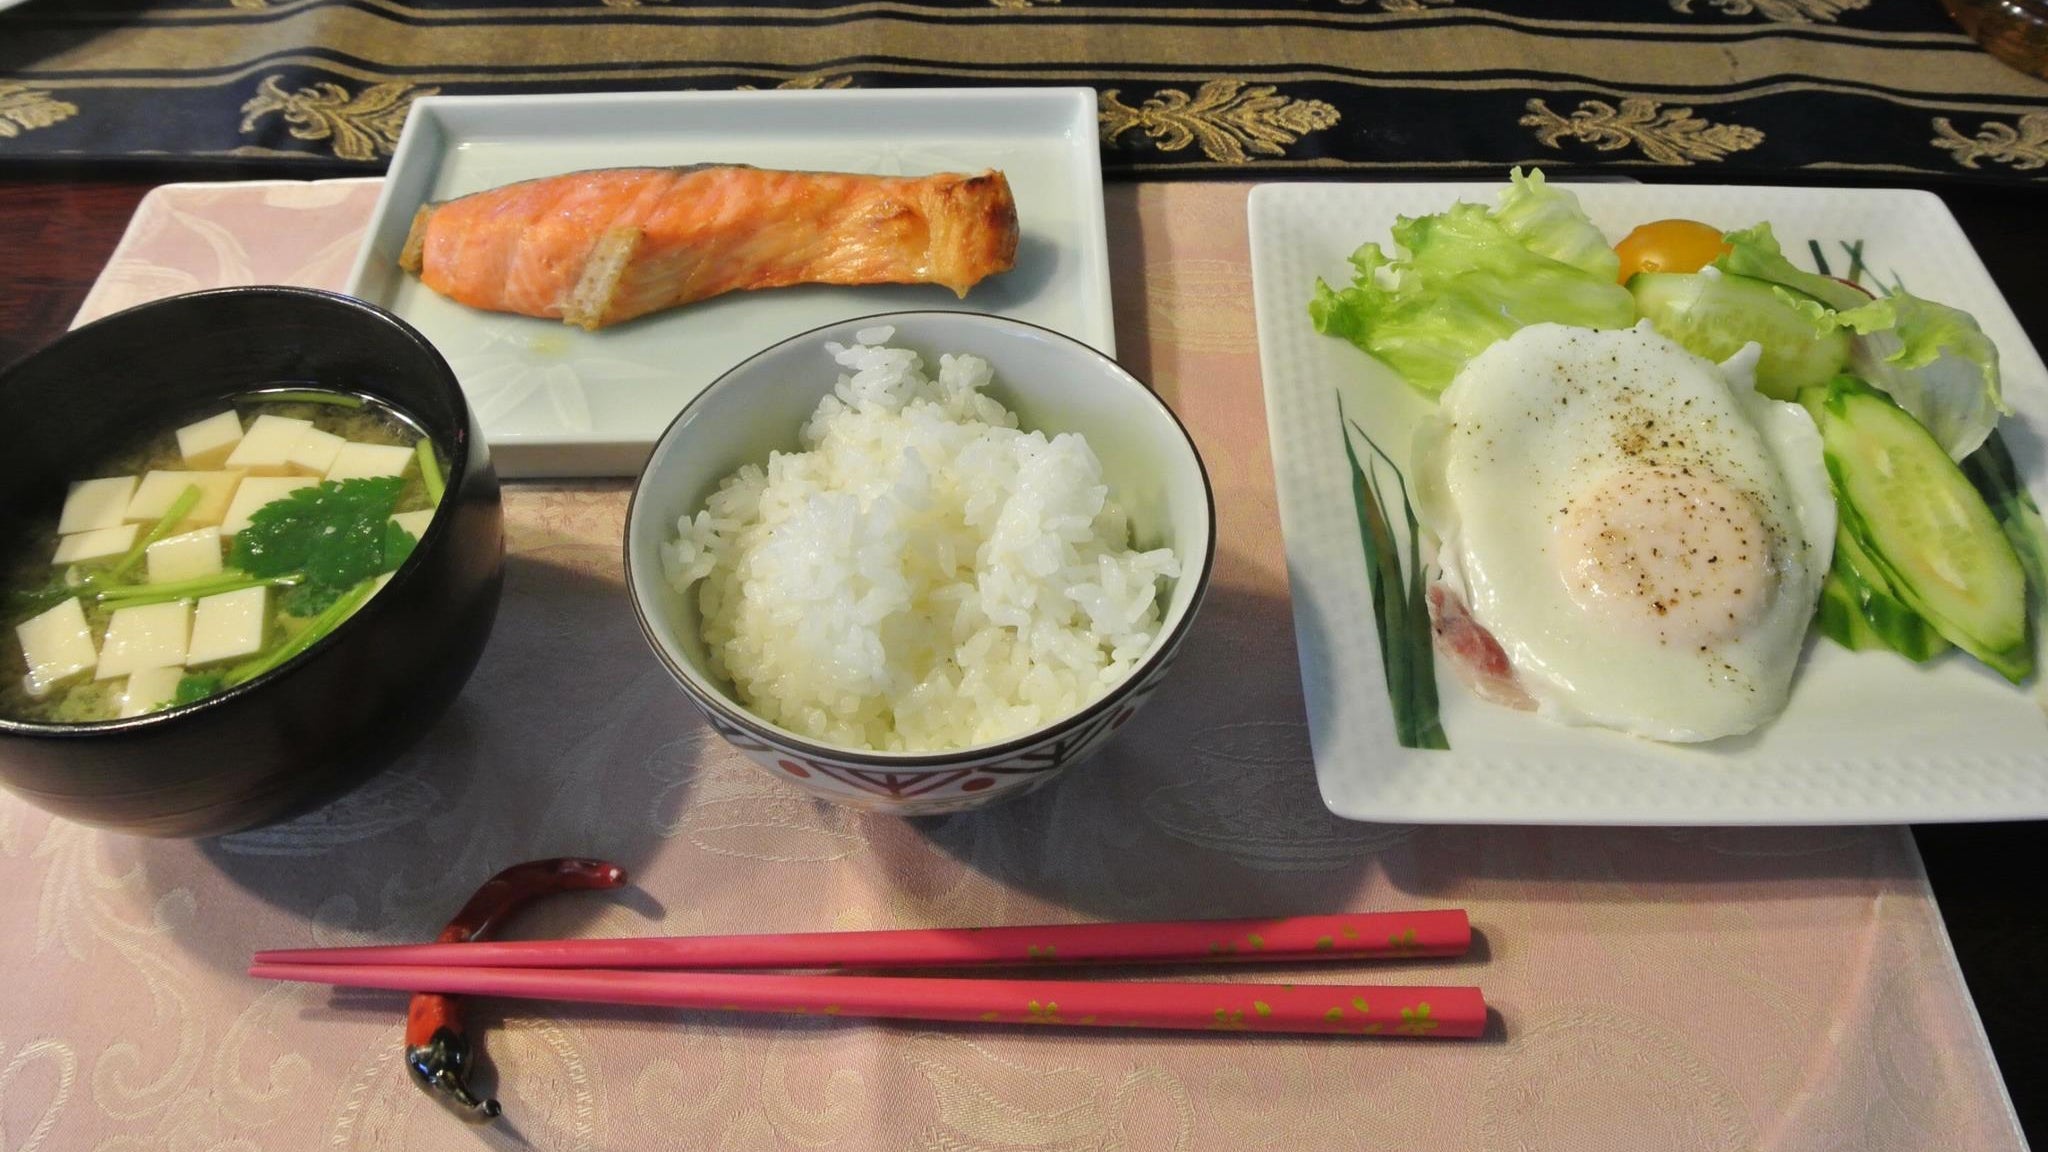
555	400
1865	738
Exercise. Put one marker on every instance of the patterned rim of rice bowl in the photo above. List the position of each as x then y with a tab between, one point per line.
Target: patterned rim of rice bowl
758	405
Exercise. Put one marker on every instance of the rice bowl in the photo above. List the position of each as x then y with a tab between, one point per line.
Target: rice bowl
924	575
1076	632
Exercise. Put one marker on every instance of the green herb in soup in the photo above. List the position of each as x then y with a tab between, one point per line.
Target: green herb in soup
213	553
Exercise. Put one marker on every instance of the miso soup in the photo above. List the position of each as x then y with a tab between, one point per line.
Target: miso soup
210	552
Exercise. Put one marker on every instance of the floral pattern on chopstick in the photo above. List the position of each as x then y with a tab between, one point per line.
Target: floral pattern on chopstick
1231	121
1415	1021
1672	136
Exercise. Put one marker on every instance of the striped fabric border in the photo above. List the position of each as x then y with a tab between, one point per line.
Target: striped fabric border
1840	89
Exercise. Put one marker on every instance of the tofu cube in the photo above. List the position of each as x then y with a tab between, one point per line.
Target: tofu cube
159	490
95	504
184	557
358	460
58	645
207	443
254	493
227	626
313	455
415	522
266	448
150	636
96	544
150	689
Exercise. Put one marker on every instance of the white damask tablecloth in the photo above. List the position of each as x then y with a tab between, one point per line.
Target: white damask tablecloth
1662	991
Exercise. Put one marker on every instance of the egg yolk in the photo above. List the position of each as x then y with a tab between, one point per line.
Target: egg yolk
1683	558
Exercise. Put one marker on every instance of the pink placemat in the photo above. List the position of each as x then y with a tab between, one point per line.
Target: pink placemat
1661	990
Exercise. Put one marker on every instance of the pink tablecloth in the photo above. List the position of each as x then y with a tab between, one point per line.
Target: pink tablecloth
1661	991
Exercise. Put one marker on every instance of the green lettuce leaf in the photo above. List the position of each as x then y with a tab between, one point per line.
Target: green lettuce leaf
1754	252
1933	360
1463	280
1549	222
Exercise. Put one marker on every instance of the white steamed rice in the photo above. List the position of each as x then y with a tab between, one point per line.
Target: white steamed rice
924	575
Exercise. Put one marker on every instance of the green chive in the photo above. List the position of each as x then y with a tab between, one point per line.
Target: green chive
319	626
1429	730
1857	267
179	509
136	595
430	471
1399	599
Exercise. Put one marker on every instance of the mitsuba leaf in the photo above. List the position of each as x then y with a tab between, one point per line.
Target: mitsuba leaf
196	686
398	544
334	532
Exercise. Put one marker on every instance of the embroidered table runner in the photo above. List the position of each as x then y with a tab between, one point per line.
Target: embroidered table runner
1747	89
1698	990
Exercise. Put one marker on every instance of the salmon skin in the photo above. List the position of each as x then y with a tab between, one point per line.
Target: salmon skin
604	246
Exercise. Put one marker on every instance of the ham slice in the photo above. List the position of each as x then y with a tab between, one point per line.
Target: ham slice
1480	662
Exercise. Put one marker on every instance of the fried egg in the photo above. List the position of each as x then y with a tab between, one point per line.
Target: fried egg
1639	532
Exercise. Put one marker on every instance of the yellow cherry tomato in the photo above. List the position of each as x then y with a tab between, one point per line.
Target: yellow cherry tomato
1669	246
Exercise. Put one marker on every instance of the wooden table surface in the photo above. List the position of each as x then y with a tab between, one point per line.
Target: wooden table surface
57	229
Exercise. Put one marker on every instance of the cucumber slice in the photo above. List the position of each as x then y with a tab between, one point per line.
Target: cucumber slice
1715	315
1841	616
1923	527
1884	616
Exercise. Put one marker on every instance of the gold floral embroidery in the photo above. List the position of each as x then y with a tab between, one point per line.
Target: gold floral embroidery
1229	1020
1041	952
1229	119
24	109
1667	136
362	127
1324	943
1401	943
1046	1013
1781	11
2024	146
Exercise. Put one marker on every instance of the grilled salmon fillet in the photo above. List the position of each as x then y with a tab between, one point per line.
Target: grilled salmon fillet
600	247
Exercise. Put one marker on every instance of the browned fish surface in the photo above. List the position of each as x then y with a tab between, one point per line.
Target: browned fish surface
600	247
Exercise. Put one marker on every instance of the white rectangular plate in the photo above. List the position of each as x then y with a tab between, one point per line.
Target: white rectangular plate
558	401
1865	738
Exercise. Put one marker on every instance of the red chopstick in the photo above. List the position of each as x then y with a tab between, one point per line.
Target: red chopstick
1352	936
1340	1009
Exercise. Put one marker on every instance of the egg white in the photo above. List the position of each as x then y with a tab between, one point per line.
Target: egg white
1642	532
